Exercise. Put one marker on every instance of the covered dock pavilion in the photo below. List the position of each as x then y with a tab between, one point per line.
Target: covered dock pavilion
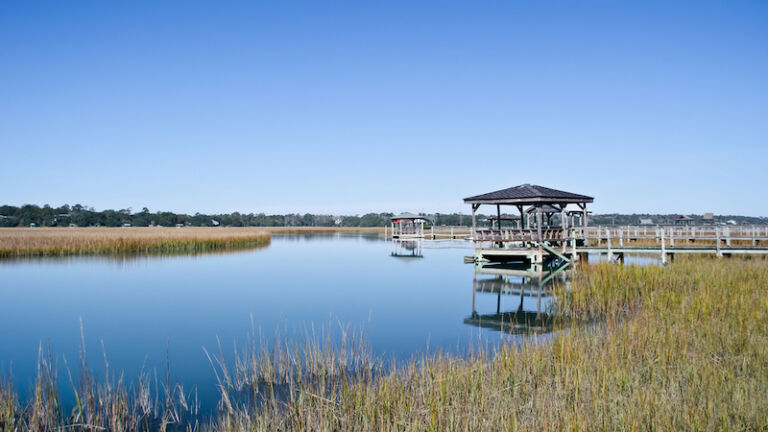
534	234
408	225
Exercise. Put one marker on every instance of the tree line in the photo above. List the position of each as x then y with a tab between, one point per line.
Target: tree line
82	216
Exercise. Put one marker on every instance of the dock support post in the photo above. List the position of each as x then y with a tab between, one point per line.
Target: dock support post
574	254
474	223
608	239
717	241
663	249
621	238
672	237
538	230
498	223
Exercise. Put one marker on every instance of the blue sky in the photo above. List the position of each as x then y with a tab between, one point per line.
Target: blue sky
332	107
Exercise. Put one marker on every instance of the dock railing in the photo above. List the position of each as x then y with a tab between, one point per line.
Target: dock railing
626	236
615	241
752	234
518	235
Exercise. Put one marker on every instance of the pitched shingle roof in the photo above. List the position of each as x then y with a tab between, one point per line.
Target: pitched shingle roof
527	194
407	215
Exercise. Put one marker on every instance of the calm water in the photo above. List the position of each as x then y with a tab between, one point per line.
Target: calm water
405	298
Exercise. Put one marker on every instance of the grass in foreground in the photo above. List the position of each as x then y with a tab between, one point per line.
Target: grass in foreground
683	347
39	242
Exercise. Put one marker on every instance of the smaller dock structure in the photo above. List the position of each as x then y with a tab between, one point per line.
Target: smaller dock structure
408	226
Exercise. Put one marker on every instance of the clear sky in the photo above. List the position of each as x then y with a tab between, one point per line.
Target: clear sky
332	107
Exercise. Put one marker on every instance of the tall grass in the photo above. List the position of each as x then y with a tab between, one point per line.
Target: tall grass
112	404
682	347
37	242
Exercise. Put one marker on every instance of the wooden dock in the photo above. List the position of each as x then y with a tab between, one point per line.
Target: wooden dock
553	224
431	233
571	243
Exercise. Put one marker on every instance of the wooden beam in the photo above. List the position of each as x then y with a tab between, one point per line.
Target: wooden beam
538	227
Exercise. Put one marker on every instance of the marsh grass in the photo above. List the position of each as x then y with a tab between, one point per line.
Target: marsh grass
683	347
680	347
147	403
43	242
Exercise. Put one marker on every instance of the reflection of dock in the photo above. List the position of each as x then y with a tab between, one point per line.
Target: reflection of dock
407	249
532	282
518	322
499	285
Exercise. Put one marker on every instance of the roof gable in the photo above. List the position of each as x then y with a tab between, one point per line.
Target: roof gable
526	194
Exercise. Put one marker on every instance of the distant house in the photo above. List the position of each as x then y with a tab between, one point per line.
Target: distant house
338	220
32	225
708	218
684	220
731	222
72	225
126	225
179	225
646	221
214	222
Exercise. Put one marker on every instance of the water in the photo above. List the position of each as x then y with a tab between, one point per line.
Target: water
146	310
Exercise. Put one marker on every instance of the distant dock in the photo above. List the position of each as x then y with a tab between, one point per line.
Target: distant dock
409	226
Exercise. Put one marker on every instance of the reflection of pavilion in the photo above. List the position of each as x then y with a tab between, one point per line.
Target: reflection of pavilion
527	282
406	249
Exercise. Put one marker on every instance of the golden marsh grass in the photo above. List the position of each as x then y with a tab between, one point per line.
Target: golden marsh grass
683	347
38	242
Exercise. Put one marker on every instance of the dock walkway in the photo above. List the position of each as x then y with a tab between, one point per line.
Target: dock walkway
569	244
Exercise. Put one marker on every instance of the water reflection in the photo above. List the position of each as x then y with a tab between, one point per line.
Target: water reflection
532	284
407	249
